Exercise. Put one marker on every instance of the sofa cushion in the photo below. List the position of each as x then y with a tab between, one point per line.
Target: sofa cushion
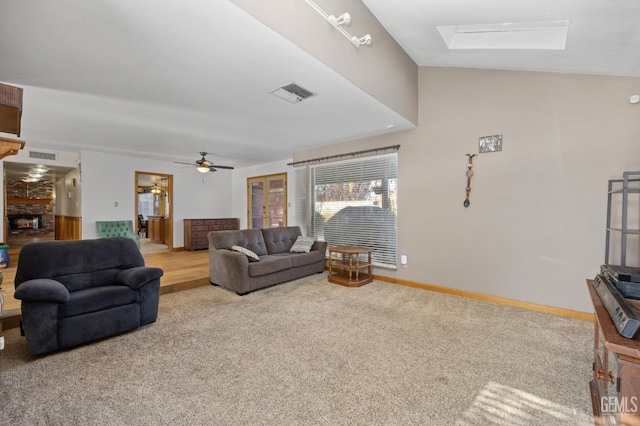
280	240
250	255
302	245
97	299
269	264
248	238
83	280
302	259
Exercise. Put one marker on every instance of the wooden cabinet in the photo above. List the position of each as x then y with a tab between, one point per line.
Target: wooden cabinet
615	388
157	229
196	231
10	109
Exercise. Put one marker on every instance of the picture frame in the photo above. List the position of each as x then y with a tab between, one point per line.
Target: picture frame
491	143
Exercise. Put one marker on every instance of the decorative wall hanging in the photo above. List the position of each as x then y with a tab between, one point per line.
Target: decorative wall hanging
490	143
469	174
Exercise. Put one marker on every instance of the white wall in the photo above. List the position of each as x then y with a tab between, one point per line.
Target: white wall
108	179
68	195
239	188
535	229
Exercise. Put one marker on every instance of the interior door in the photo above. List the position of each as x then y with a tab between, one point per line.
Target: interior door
267	201
154	201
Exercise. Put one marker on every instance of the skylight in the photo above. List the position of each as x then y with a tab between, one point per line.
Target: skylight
547	35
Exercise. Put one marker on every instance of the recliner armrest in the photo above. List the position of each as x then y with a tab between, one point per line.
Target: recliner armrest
138	276
42	290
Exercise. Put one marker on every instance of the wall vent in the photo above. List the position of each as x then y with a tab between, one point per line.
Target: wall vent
292	92
42	155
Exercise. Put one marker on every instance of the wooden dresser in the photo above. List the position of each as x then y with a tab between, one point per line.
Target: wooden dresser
615	388
196	231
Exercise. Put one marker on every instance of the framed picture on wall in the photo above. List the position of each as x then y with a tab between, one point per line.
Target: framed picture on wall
490	143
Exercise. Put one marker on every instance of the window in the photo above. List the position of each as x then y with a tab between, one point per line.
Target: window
352	202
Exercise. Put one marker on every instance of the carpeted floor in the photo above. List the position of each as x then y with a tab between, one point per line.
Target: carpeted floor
313	353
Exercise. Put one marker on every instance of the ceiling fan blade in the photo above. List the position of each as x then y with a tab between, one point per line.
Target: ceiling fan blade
180	162
222	167
212	169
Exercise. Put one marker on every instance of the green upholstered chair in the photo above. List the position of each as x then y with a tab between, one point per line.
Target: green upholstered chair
117	228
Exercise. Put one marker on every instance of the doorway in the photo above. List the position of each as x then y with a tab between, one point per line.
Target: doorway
267	201
42	203
154	211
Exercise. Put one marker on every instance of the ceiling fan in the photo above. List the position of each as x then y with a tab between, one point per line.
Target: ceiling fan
205	166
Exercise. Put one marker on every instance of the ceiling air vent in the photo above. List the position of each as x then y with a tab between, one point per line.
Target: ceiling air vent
42	155
292	93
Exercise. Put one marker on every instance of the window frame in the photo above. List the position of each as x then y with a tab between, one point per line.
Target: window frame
382	168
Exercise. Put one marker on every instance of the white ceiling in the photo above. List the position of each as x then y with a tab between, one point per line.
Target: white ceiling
603	36
169	79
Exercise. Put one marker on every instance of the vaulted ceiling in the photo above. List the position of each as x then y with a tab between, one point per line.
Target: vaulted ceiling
170	79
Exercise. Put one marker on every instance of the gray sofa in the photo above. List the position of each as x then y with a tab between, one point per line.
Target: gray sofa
75	292
277	264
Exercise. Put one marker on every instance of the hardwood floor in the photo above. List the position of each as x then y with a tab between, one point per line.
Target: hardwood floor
182	270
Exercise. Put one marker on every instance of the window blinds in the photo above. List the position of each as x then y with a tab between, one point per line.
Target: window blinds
352	202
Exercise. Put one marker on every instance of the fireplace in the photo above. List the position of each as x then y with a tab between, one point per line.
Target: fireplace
25	221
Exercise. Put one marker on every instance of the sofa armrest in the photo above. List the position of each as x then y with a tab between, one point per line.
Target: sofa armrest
227	267
138	276
319	246
42	290
230	259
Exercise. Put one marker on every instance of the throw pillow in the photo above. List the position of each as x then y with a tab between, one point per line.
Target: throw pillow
251	255
302	245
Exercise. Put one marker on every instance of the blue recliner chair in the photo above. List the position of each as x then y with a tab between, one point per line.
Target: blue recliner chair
117	228
75	292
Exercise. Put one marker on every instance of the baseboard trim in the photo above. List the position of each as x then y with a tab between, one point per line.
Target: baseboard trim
568	313
12	319
187	285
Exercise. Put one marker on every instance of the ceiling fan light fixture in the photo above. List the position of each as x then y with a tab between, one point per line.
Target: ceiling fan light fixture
205	166
39	169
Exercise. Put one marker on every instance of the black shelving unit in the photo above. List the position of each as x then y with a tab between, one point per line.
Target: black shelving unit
629	184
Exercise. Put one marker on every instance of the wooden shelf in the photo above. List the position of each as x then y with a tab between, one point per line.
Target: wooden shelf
29	200
347	269
343	278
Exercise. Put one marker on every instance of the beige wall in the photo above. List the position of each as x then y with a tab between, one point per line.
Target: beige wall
383	70
536	225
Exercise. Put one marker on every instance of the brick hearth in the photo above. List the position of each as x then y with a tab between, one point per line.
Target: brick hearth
31	199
